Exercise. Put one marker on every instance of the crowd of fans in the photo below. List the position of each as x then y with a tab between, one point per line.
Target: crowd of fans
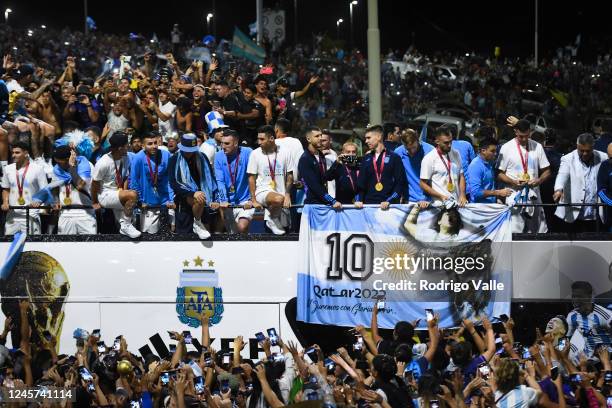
480	364
105	133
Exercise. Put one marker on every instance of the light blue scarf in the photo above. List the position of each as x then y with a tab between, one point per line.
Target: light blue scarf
208	185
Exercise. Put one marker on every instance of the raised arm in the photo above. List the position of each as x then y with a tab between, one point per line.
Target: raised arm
490	339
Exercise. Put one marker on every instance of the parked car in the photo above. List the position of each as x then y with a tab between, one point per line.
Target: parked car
433	120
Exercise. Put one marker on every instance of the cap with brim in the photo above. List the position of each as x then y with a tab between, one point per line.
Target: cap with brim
189	143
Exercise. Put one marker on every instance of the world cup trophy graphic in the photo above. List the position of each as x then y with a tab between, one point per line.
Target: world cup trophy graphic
40	279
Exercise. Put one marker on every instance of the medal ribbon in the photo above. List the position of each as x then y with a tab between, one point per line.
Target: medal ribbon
22	182
446	165
525	159
272	167
118	176
348	174
154	176
234	175
377	173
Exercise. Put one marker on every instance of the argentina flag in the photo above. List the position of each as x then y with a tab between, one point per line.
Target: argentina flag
456	261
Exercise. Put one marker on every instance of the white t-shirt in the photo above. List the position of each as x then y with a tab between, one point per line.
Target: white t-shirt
510	160
330	158
76	198
116	123
434	169
14	86
166	127
295	148
104	171
260	164
209	151
35	180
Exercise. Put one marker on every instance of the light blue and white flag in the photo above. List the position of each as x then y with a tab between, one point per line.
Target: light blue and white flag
243	46
455	261
13	255
91	24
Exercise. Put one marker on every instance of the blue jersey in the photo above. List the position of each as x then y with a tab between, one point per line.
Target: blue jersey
143	177
479	177
466	151
412	167
233	168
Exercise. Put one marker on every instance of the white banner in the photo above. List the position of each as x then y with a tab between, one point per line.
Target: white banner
139	289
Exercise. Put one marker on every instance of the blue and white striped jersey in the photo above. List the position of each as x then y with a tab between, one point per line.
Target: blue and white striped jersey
594	327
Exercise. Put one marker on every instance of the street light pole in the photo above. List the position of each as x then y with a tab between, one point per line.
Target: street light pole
295	22
374	86
340	21
259	14
351	5
85	16
537	18
6	15
209	17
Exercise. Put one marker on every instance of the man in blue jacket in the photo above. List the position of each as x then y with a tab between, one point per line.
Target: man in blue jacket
480	177
233	183
149	178
382	179
313	170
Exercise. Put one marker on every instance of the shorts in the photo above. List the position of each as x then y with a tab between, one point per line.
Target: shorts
261	196
150	219
231	216
77	225
17	223
110	199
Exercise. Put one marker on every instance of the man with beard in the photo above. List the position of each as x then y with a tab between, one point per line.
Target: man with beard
149	178
441	170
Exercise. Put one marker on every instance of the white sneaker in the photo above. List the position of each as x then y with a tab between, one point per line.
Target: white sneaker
200	229
129	230
276	230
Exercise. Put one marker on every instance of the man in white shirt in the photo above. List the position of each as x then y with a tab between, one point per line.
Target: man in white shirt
576	182
73	174
442	175
20	182
165	115
270	172
523	166
282	139
282	127
110	184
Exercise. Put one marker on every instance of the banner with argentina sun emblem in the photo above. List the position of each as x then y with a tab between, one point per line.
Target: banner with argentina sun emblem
199	294
453	261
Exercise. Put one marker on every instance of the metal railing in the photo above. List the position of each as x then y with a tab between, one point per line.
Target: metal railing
260	212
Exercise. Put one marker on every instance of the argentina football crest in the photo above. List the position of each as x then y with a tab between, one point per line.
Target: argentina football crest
199	293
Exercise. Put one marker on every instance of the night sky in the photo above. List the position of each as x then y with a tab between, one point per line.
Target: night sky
434	25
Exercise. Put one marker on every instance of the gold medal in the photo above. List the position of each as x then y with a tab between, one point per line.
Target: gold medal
232	189
525	176
67	201
21	200
450	187
273	184
378	186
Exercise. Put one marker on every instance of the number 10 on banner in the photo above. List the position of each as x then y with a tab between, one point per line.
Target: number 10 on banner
353	256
